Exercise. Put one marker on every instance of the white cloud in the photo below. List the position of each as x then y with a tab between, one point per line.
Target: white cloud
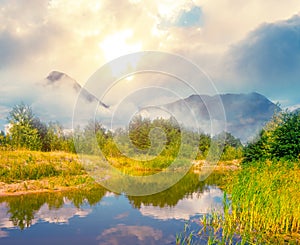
59	216
45	214
187	207
77	37
5	222
122	234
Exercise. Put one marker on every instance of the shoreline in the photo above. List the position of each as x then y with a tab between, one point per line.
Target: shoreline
32	187
28	192
47	185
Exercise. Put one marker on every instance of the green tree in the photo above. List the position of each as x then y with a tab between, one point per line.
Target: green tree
92	139
231	146
53	141
227	139
286	137
2	139
204	144
22	133
258	149
139	130
279	139
21	114
42	129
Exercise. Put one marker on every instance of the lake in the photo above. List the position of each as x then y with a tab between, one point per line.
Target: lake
101	217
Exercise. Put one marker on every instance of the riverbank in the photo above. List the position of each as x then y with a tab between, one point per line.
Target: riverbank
23	172
53	184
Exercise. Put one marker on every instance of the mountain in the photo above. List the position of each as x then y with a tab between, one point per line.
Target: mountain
246	114
58	79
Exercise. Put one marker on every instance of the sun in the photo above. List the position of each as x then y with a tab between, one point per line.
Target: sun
117	45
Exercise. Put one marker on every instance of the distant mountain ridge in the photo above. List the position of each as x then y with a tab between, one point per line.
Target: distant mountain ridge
246	114
55	78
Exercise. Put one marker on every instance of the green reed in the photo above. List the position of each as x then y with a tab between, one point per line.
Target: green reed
262	207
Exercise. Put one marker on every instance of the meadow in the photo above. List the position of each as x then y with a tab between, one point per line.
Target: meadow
23	171
26	171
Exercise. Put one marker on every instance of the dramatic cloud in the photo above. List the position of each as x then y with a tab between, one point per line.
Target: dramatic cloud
269	59
78	37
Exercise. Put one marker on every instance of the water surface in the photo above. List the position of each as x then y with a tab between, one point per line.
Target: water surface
101	217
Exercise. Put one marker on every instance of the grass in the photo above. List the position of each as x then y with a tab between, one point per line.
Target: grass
31	165
262	207
23	170
265	202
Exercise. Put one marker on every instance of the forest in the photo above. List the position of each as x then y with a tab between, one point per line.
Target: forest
142	136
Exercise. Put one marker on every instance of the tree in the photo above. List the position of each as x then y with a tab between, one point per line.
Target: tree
42	129
22	133
21	114
228	140
279	139
53	140
139	130
256	150
2	138
286	137
231	146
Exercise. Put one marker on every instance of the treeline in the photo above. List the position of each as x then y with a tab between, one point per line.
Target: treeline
27	131
279	140
142	137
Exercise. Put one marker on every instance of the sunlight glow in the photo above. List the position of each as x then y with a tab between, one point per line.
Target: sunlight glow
169	9
117	45
129	78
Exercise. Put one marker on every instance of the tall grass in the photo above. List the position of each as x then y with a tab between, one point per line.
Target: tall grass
29	165
264	204
262	207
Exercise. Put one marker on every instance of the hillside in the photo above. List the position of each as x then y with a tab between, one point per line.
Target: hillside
245	114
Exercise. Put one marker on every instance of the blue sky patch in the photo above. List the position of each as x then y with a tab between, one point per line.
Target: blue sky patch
193	17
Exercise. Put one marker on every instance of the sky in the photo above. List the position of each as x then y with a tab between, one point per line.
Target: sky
243	46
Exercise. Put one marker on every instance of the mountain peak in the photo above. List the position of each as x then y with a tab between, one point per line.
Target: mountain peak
55	76
58	79
245	114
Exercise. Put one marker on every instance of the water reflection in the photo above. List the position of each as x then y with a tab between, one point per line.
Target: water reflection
193	204
188	185
26	210
110	218
132	234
